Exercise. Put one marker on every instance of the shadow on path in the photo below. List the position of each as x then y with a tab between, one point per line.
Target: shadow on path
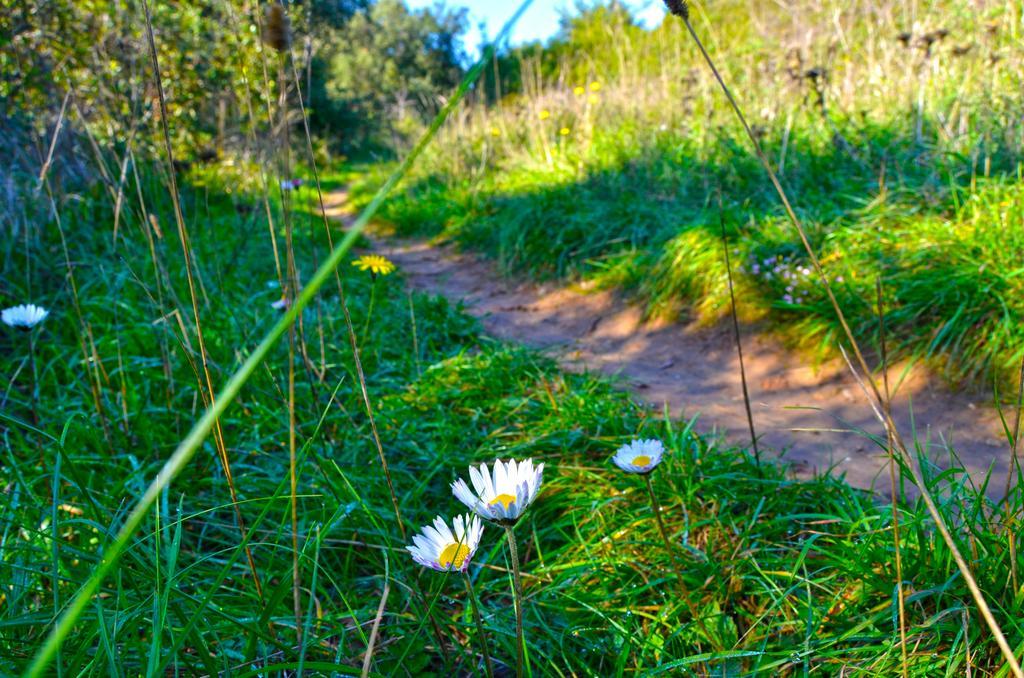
810	416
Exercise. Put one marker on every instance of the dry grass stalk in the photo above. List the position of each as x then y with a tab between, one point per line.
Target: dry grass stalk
208	393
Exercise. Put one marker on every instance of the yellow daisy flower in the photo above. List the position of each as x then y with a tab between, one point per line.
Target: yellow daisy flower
579	90
564	131
375	264
595	86
544	115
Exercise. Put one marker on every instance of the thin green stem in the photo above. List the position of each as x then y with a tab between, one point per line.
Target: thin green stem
480	634
656	508
369	310
351	330
684	592
518	590
35	376
415	340
55	549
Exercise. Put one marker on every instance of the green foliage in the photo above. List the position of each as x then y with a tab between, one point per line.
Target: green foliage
376	70
577	53
335	13
386	67
98	51
790	575
614	163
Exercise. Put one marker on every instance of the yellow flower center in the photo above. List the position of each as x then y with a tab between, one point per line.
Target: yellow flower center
641	460
505	500
453	555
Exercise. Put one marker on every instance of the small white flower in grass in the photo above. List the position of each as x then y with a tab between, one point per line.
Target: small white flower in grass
639	456
443	549
24	316
502	494
279	305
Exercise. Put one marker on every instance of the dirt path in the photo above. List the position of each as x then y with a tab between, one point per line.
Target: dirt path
807	415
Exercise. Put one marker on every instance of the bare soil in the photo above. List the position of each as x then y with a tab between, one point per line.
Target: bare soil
812	417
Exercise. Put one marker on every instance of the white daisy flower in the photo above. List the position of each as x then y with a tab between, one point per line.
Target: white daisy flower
639	456
443	549
25	315
503	494
279	305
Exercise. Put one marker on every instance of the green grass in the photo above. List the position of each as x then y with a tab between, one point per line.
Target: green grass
909	174
790	576
951	272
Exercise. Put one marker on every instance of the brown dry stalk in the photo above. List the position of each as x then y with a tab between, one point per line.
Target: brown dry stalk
375	630
891	429
887	408
87	344
1010	517
158	276
208	394
290	292
90	359
739	340
45	170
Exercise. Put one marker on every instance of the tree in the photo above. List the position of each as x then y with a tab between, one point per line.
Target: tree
333	13
388	66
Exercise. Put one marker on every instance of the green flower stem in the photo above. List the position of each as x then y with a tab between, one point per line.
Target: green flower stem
481	636
684	592
35	375
369	309
518	590
656	507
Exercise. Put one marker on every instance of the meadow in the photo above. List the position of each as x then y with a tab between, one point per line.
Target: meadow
220	442
892	125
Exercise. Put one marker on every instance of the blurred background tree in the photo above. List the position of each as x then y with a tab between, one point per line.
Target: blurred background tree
333	13
374	70
590	41
384	70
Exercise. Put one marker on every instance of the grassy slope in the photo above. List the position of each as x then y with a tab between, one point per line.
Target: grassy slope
907	172
791	575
